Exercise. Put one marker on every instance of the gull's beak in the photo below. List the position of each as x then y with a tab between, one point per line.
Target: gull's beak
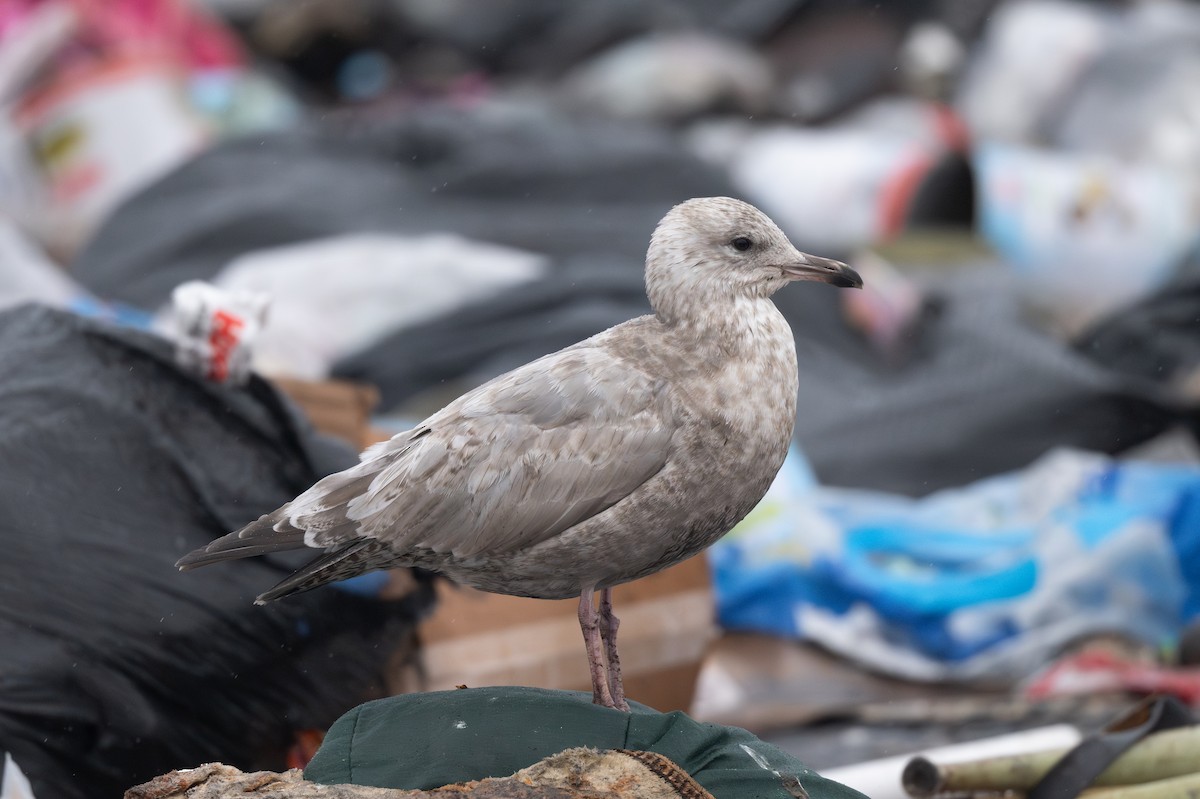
825	270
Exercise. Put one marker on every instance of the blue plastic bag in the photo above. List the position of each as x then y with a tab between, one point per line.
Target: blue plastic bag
983	581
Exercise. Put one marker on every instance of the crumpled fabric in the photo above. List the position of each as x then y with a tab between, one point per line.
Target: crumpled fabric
579	773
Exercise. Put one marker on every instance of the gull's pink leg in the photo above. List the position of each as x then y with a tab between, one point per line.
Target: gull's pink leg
608	631
589	623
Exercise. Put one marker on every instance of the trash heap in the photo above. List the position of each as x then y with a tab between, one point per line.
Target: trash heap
221	222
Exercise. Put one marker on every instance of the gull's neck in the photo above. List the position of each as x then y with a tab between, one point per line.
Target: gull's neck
739	325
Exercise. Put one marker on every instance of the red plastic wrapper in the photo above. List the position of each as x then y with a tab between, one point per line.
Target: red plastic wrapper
215	330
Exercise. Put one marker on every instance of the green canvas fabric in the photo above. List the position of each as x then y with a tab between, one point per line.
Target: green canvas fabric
428	740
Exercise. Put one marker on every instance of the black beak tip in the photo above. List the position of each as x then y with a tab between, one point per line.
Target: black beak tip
847	278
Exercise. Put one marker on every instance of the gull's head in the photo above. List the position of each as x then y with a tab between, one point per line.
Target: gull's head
711	249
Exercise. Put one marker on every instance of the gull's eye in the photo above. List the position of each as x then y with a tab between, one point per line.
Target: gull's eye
741	244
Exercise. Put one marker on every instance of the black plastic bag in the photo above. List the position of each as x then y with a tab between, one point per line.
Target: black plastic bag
115	667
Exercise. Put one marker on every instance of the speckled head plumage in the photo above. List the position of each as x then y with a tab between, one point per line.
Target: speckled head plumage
714	249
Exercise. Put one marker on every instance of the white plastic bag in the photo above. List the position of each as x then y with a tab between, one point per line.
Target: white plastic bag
333	297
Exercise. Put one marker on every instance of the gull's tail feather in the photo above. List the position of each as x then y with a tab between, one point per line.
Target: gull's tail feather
340	564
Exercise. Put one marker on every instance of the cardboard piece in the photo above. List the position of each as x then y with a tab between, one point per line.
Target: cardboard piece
339	408
477	639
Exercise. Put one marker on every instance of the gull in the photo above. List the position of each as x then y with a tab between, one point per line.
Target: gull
596	465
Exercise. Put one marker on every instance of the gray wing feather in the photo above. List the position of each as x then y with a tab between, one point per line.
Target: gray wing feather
504	467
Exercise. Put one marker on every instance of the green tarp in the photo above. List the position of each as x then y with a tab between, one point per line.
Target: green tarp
425	741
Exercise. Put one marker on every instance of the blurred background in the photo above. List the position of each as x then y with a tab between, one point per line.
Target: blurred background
242	239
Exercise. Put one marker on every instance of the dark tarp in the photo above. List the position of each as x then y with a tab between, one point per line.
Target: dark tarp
981	392
115	667
1156	339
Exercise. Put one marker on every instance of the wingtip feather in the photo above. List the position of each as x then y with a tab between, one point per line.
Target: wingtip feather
257	538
